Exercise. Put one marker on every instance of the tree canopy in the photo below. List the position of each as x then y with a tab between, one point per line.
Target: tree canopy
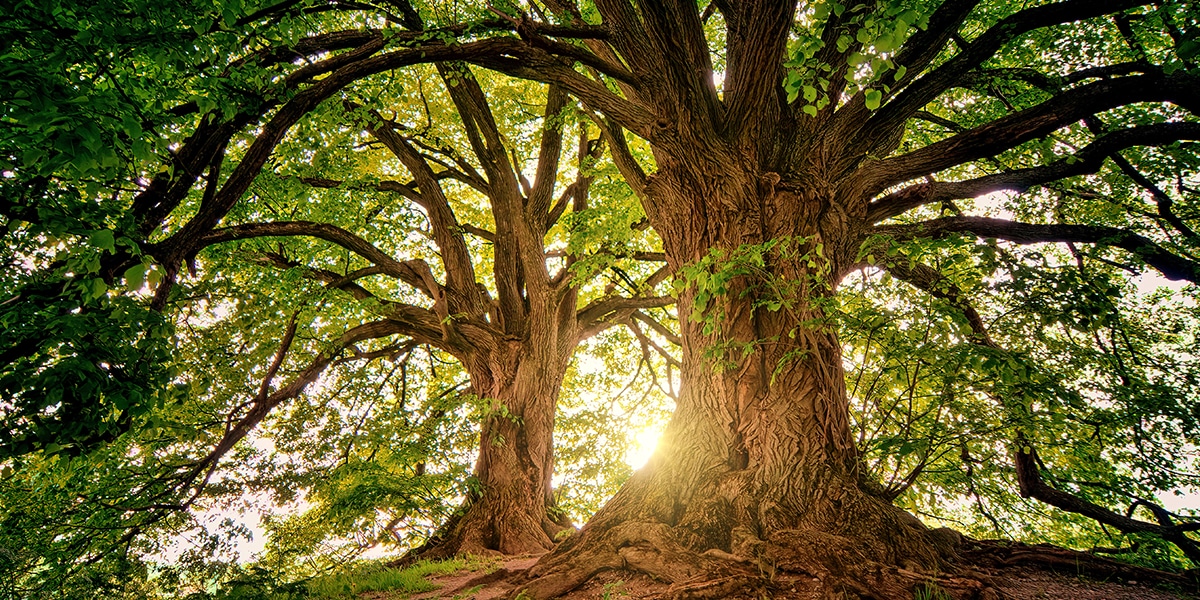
395	264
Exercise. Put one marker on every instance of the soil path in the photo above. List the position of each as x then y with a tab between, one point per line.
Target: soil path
479	585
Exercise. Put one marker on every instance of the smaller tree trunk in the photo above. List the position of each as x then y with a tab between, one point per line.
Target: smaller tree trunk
513	511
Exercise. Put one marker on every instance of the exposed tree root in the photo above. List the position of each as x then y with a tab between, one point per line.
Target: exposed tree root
478	530
796	563
488	530
1001	554
809	564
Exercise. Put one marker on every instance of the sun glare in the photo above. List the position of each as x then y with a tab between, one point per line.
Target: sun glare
644	445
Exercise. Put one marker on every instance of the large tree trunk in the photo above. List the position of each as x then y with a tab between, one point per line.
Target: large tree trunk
757	476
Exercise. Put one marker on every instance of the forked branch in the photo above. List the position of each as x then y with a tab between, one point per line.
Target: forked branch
606	312
1088	160
934	83
413	272
1033	486
936	284
1172	266
1034	122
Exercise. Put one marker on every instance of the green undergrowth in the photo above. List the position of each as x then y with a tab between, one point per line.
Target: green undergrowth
349	582
373	576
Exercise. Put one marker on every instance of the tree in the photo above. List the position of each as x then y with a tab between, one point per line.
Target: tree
794	144
515	347
767	195
514	340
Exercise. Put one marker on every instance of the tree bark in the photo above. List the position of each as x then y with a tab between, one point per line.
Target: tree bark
514	511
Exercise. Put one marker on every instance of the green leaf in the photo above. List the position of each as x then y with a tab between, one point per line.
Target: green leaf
135	277
873	98
102	239
1188	49
97	287
154	277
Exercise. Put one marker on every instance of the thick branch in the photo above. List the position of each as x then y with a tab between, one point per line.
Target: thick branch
167	190
1162	201
262	406
1010	131
647	343
548	158
1086	161
447	234
1032	486
332	280
932	84
631	171
479	232
757	39
527	62
606	312
182	242
413	272
539	35
404	189
924	46
513	237
658	327
934	283
422	324
627	35
1170	265
285	345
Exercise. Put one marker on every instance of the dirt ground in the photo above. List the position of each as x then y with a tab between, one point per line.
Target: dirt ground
1009	572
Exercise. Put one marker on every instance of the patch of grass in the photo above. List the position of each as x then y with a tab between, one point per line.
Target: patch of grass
614	590
374	577
930	591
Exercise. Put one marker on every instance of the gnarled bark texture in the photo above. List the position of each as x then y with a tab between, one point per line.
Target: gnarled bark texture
757	479
757	469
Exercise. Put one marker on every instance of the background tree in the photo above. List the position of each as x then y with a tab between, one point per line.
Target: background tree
514	348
